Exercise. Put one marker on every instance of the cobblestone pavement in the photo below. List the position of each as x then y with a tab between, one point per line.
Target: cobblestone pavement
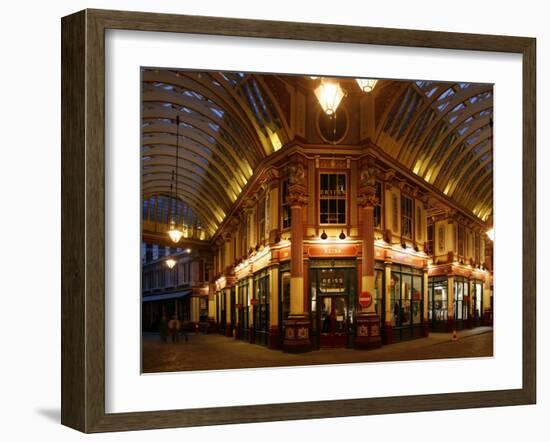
215	352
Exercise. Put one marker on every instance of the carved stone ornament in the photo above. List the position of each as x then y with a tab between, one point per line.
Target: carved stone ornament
367	199
368	176
297	195
296	174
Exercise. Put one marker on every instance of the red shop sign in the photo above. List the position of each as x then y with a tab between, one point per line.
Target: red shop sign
365	299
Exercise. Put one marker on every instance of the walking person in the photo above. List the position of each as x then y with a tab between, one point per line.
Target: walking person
163	329
174	326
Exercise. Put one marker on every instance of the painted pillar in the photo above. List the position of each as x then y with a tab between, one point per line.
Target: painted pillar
471	306
228	312
367	327
425	297
274	338
211	313
388	308
195	312
451	326
297	326
487	310
250	308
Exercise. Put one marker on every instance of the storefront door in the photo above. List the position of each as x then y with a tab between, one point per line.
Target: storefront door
333	321
332	298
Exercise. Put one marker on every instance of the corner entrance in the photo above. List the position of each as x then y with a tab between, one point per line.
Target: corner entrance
332	296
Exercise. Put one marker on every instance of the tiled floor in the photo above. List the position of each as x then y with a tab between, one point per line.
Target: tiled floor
215	352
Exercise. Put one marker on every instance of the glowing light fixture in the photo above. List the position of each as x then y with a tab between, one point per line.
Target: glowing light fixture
491	234
366	85
329	94
174	233
188	250
171	262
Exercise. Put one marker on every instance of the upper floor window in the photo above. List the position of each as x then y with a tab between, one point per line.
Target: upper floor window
261	221
461	248
332	198
477	248
418	223
285	206
430	242
406	217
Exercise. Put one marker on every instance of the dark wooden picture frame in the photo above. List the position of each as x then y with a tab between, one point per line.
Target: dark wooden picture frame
83	220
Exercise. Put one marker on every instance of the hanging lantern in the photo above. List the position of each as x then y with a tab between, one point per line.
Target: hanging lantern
366	85
174	233
329	94
171	262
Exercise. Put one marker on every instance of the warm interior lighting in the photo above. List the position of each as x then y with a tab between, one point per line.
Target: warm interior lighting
174	233
329	94
275	140
491	234
366	85
188	250
170	262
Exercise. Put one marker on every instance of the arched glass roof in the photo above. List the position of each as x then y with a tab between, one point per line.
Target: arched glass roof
443	133
231	121
228	124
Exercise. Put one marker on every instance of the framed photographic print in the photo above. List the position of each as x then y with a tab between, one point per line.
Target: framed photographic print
268	221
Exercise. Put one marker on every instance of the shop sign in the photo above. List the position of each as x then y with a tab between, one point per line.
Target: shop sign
365	299
333	250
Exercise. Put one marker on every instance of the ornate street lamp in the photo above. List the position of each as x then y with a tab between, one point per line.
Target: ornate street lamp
366	85
329	94
170	263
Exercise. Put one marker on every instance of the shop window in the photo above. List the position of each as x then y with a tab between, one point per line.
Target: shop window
438	304
406	285
478	299
378	293
243	307
285	206
417	299
285	296
378	206
332	198
462	301
261	307
203	309
406	217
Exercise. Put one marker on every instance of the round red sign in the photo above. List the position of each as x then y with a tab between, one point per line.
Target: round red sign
365	299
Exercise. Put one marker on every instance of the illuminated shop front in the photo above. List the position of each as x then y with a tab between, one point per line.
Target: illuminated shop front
407	303
353	222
